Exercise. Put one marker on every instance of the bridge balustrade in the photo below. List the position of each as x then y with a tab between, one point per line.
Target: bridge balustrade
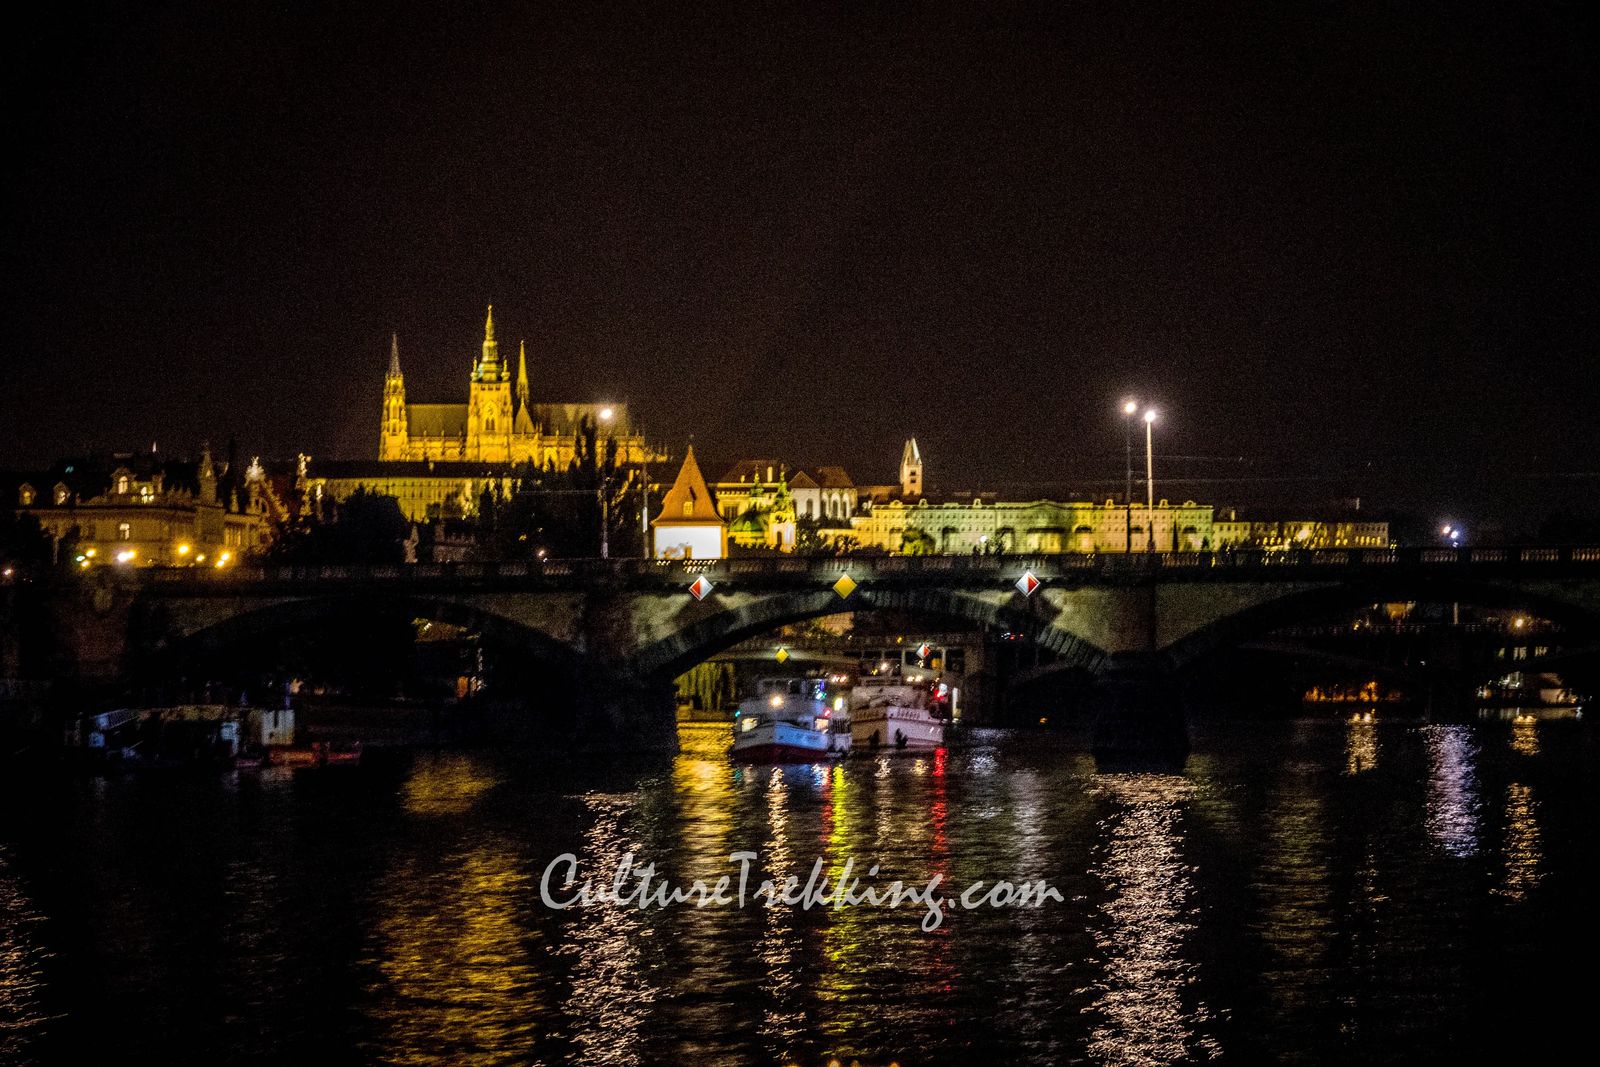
865	568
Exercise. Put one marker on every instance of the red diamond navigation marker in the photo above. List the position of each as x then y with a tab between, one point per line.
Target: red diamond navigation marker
923	650
701	588
1027	583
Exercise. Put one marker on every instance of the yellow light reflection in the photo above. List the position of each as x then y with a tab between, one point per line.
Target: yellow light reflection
446	785
1524	851
1525	736
1360	746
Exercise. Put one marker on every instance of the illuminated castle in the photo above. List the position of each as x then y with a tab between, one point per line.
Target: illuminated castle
497	424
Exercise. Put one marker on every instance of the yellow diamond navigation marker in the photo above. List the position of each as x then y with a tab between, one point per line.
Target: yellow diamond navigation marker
783	654
844	586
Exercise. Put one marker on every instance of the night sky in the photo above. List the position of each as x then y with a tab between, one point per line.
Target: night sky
1347	249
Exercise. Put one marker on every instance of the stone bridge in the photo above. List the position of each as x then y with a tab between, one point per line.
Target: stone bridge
628	627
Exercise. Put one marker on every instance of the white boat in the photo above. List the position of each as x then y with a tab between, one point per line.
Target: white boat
894	716
788	721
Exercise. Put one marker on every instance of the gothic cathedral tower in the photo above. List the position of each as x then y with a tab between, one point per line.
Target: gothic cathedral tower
395	436
489	411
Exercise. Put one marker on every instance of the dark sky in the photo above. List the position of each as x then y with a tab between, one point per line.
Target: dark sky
1349	246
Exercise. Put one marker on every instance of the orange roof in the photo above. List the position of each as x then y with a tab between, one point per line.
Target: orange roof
689	488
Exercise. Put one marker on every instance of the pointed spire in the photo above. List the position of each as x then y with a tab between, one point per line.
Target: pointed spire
206	475
489	368
522	374
394	355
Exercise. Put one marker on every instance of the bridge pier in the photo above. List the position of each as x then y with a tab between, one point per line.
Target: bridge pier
1139	723
618	712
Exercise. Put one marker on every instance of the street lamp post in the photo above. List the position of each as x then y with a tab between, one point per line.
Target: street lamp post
605	489
1149	480
1129	408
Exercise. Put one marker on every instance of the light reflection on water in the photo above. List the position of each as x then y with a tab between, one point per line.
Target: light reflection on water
1270	905
1453	788
22	958
1522	849
1146	998
1360	746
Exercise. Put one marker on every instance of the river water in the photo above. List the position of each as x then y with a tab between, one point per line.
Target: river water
1306	892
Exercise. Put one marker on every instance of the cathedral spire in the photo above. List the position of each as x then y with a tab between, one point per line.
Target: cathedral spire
394	355
522	375
489	368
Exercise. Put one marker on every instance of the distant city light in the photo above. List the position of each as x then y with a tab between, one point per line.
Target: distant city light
1149	414
606	414
126	555
1130	406
183	550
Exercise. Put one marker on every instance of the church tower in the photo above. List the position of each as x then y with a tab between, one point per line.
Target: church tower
911	471
394	437
523	446
489	403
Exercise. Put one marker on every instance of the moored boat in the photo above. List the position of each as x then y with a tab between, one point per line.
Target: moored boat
894	716
788	721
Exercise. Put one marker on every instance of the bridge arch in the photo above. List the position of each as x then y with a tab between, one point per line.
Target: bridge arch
671	654
1296	605
169	632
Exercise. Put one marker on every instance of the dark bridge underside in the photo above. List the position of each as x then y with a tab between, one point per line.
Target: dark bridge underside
156	643
1349	596
667	658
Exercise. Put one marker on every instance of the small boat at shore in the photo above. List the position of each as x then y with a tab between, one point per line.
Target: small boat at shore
788	721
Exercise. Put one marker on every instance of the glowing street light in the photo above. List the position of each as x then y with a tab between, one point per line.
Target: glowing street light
1130	408
1149	467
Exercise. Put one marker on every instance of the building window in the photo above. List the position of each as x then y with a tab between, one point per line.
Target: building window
688	509
124	531
60	495
122	485
25	496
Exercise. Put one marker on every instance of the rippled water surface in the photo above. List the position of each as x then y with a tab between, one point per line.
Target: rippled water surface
1310	892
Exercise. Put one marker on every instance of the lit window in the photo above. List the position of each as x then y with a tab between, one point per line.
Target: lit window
124	531
25	495
122	485
688	508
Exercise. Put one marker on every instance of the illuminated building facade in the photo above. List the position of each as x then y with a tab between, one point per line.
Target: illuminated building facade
498	423
140	509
